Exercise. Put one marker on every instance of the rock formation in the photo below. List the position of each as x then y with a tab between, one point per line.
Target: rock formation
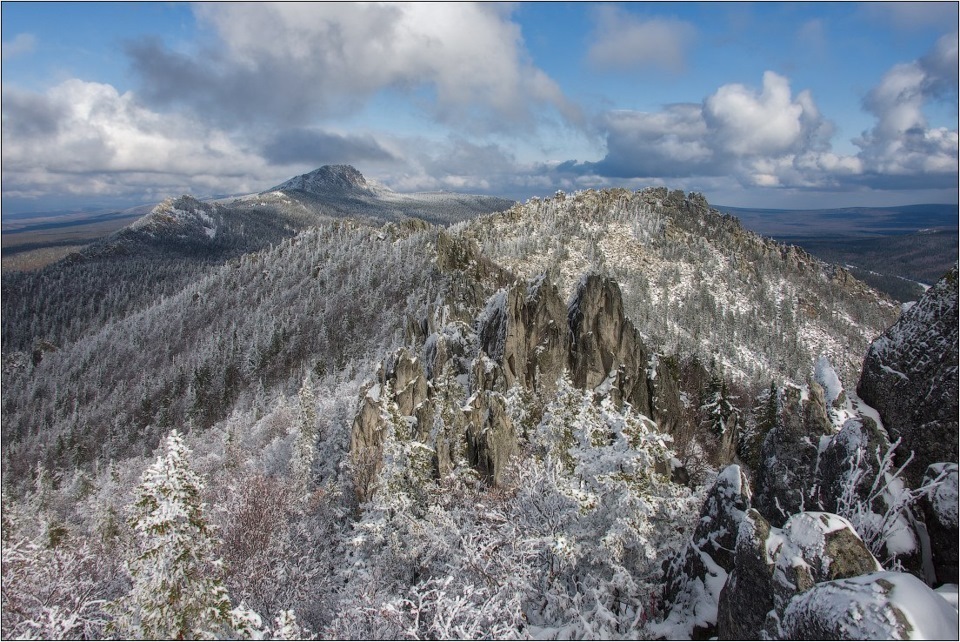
695	576
773	565
910	377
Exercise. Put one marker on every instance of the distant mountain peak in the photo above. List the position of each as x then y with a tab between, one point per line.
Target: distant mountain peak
329	178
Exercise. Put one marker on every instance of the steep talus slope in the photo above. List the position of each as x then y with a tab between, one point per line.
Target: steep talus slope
910	377
694	281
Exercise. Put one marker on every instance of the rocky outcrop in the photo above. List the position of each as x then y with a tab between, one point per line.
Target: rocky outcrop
910	377
523	330
606	352
939	506
850	462
875	606
773	565
454	397
695	576
491	437
408	381
789	454
747	597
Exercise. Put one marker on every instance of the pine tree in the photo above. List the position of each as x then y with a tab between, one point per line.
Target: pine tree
765	412
176	591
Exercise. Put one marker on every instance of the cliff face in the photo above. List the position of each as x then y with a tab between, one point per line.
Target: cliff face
910	377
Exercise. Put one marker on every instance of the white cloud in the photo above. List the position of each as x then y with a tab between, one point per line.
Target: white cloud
744	122
772	137
911	16
85	138
23	43
293	62
767	138
622	41
902	143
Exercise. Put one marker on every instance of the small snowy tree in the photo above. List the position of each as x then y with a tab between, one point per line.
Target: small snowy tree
305	446
719	413
176	590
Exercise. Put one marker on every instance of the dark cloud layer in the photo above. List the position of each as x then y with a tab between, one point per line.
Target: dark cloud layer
314	147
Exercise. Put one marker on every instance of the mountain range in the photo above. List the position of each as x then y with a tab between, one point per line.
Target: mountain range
610	413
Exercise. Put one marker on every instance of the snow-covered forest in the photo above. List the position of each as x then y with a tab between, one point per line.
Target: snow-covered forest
605	414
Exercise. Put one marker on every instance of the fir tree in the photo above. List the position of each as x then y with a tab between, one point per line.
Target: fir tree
718	412
176	591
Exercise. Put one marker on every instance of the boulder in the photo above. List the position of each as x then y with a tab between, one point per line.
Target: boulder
747	596
875	606
850	463
773	565
910	377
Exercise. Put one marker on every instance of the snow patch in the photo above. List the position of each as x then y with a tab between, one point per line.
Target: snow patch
826	376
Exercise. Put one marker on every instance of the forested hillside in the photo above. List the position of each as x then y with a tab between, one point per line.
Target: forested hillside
579	417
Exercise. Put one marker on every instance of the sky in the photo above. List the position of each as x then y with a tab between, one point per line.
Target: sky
773	105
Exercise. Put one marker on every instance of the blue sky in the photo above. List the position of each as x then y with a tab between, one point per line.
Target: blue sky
764	105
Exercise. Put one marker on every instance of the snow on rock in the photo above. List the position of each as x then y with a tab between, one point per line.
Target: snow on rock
910	377
876	606
826	376
939	506
790	453
695	577
773	565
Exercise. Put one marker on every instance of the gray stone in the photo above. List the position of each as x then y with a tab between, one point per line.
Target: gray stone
605	348
789	454
524	331
939	507
491	437
910	377
773	565
694	577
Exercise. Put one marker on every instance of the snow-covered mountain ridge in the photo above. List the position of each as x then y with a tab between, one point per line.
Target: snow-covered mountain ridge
694	280
509	427
330	178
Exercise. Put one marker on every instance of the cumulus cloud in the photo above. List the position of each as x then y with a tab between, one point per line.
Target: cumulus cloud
622	41
22	43
85	138
771	137
292	62
672	142
902	144
768	137
744	122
